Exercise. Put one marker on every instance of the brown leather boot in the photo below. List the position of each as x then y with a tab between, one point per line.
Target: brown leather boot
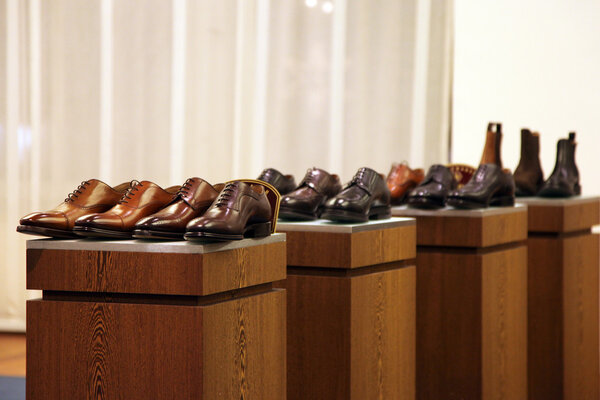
493	140
529	176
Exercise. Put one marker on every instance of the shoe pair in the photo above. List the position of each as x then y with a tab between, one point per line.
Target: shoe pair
529	177
144	210
320	195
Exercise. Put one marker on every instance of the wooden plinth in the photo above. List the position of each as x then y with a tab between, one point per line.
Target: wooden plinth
471	303
351	310
134	320
563	313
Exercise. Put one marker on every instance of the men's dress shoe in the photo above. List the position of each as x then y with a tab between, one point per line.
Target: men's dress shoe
529	177
191	201
241	210
401	180
365	197
493	141
306	202
434	189
142	199
564	181
92	196
283	183
490	186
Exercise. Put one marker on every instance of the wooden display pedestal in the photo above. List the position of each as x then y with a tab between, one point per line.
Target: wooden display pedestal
351	310
471	303
563	299
146	320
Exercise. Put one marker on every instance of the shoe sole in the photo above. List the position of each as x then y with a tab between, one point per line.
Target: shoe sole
426	203
48	232
383	212
558	192
158	235
91	232
259	230
466	204
293	215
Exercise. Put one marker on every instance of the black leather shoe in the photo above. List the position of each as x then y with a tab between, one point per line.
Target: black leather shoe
490	186
365	197
283	183
434	189
564	181
306	201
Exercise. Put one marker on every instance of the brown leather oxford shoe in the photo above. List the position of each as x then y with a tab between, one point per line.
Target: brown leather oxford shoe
241	210
92	196
191	201
401	180
142	199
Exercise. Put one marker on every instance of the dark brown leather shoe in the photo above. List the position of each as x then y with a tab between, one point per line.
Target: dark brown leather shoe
191	201
490	186
241	210
306	202
365	197
92	196
402	180
433	191
283	183
564	180
142	199
529	177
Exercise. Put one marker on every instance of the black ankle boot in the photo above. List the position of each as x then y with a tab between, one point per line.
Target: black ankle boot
564	181
529	177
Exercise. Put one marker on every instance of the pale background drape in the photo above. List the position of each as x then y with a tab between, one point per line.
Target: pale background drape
167	89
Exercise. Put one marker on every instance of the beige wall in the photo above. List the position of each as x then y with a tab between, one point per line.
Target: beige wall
529	64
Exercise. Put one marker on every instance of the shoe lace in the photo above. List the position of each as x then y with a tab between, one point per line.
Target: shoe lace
226	194
75	193
184	189
134	187
358	176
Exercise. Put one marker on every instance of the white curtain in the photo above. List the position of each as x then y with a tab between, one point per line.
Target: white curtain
168	89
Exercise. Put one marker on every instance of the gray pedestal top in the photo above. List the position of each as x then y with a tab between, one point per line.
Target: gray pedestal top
151	246
453	212
547	201
322	225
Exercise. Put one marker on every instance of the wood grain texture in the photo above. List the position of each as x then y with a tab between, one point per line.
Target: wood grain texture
383	329
471	325
345	250
351	337
155	273
12	354
504	324
576	216
86	350
580	312
484	231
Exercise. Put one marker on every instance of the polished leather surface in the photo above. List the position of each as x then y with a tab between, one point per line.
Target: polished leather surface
366	189
238	205
493	142
489	184
283	183
402	180
434	189
529	176
191	201
316	187
564	180
143	199
92	196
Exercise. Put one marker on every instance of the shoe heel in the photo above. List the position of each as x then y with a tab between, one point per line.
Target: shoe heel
577	189
503	201
258	230
381	213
